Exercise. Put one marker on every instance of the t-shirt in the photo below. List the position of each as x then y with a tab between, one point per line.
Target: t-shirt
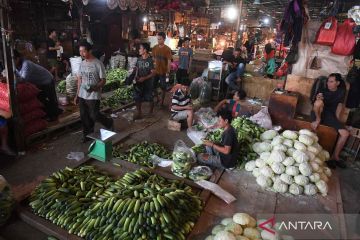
161	57
51	54
179	99
34	73
234	107
332	99
184	57
144	66
91	73
228	138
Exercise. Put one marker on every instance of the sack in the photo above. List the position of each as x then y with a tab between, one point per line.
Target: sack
195	86
75	63
262	118
36	114
205	93
34	127
327	32
315	63
319	85
26	91
30	106
71	85
345	39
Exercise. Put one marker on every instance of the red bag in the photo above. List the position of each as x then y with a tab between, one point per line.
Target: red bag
345	39
26	91
34	127
36	114
327	32
30	106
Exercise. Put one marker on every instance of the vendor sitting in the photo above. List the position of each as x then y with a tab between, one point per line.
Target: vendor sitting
327	109
232	105
226	154
181	107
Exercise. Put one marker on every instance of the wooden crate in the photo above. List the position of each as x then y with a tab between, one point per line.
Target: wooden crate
174	125
283	106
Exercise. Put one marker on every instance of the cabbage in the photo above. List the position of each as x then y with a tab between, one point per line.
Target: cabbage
268	135
327	171
280	147
249	166
211	237
227	221
318	146
305	169
224	235
324	177
296	189
324	154
322	186
301	180
286	178
289	161
265	155
316	138
277	140
252	233
288	143
315	177
277	156
265	147
307	132
300	156
256	172
313	149
266	171
217	228
307	140
266	235
252	223
315	167
292	170
278	168
290	134
280	186
234	228
260	163
318	161
242	218
256	147
299	146
310	189
290	152
263	181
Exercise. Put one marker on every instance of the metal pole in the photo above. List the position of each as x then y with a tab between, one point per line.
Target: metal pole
240	5
10	71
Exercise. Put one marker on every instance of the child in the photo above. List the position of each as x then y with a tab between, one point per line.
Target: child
232	105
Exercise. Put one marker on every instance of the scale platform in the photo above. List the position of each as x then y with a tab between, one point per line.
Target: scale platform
101	148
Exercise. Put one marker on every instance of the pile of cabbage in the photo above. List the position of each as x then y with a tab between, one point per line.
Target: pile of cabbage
243	227
292	162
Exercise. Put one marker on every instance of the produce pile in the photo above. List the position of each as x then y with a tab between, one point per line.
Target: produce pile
242	227
7	201
200	173
61	87
182	163
141	153
247	133
140	205
120	95
115	75
292	162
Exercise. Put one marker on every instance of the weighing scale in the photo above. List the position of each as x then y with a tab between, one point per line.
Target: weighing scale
101	148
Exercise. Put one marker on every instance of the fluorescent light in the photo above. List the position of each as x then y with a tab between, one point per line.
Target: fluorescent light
231	13
266	20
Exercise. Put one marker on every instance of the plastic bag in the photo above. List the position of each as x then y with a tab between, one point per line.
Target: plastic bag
327	32
217	190
262	118
161	162
345	39
195	136
205	93
77	156
30	106
200	173
7	201
195	87
75	65
207	117
183	159
71	85
36	114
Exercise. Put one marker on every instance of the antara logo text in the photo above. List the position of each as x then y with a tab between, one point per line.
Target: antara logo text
295	225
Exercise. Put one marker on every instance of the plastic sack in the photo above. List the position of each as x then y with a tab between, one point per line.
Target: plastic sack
131	64
34	127
195	136
200	173
30	106
195	87
71	85
75	65
327	32
262	118
77	156
7	201
161	162
345	39
207	117
205	93
33	115
183	159
26	91
217	190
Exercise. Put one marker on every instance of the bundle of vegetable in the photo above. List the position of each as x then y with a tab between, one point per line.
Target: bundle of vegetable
292	162
141	153
182	162
215	136
116	74
200	173
123	94
200	148
6	201
61	87
243	227
140	205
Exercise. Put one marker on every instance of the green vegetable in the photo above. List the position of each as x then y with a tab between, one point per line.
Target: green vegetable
200	173
6	201
139	205
61	87
182	162
119	96
116	74
200	148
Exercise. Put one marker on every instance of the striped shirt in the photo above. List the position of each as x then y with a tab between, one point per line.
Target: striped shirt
179	99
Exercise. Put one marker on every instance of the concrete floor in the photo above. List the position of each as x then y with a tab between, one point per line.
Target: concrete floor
45	158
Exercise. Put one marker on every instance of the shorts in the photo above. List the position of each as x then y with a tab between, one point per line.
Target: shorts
52	62
329	119
2	122
160	82
144	92
182	115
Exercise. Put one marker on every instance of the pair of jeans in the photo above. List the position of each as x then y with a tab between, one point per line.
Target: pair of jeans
90	113
232	77
213	158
